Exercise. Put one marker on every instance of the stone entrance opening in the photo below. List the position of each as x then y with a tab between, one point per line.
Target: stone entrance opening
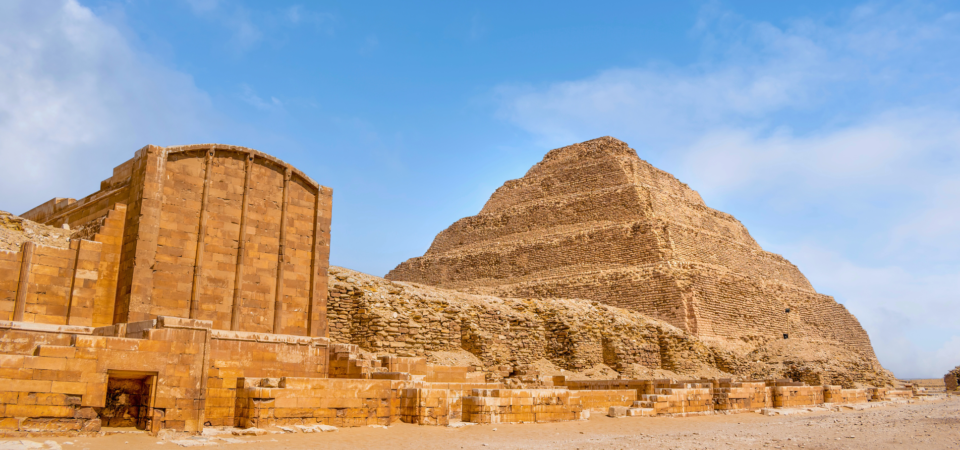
129	401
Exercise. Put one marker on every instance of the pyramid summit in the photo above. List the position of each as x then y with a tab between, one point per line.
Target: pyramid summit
593	221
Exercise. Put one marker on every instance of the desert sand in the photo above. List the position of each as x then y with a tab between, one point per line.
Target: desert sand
930	424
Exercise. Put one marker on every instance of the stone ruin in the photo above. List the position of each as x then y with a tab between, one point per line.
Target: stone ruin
951	380
192	292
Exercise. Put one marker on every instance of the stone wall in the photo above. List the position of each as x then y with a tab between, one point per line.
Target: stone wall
75	285
504	334
507	334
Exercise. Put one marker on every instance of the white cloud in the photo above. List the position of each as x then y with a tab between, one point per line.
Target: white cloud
249	28
248	95
911	317
246	34
203	6
891	150
370	44
77	98
935	230
857	119
297	15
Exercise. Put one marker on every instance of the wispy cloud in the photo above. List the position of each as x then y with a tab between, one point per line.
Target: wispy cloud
856	118
76	96
477	30
370	44
202	6
248	28
248	95
299	15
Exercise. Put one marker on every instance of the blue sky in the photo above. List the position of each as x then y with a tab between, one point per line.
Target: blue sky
830	129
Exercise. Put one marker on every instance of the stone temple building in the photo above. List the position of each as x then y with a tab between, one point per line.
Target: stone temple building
217	233
193	295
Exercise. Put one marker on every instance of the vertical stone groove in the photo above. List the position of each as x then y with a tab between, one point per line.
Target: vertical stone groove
241	245
314	267
26	263
278	301
201	233
73	282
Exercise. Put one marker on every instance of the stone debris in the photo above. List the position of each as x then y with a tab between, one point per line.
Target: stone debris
250	432
316	428
14	231
214	431
200	442
19	445
790	411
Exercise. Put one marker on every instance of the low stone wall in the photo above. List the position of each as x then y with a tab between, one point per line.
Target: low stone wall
424	406
311	401
522	405
680	401
796	396
836	394
602	400
742	396
640	386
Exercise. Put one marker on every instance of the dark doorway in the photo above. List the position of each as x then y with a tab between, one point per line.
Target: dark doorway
129	400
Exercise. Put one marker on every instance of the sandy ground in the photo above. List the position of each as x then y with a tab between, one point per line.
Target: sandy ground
927	425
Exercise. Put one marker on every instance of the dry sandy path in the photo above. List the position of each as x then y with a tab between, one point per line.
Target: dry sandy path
928	425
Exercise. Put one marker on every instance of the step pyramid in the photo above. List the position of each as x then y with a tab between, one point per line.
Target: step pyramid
594	221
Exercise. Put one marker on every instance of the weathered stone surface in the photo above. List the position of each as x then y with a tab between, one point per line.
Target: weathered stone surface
505	336
593	221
